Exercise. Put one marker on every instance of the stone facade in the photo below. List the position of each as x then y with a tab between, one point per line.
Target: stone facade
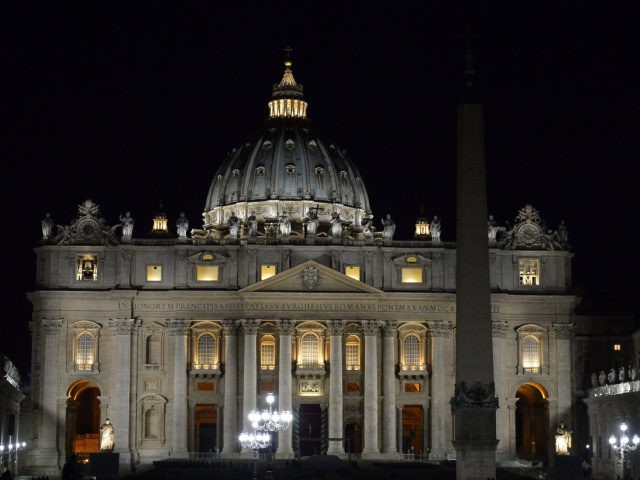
176	339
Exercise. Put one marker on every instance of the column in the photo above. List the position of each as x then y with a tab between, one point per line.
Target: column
285	449
370	433
230	412
500	355
178	330
336	427
46	454
250	330
563	334
120	414
389	425
442	372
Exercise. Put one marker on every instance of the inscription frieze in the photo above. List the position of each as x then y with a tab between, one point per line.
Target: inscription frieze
325	306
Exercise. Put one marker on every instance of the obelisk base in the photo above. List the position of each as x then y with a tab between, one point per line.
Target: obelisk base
475	443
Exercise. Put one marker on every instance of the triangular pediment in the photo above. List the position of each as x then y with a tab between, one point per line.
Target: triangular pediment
310	276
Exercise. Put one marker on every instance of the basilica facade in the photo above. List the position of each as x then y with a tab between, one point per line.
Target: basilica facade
287	288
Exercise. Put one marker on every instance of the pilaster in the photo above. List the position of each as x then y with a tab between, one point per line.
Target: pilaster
285	448
336	427
371	448
178	329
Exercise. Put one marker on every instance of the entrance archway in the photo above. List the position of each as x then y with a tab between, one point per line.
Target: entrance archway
532	422
83	418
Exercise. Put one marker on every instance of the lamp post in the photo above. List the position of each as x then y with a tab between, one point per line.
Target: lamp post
263	423
11	450
255	441
621	445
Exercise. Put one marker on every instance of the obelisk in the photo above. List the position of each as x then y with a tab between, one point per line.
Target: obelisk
474	403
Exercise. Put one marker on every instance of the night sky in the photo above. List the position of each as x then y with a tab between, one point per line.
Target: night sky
135	103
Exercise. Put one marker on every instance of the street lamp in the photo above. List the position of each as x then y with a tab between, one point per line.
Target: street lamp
263	423
12	449
621	445
255	441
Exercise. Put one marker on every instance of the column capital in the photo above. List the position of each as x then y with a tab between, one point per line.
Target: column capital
177	326
499	328
336	327
123	326
250	326
390	328
51	326
440	328
563	330
229	327
371	327
286	326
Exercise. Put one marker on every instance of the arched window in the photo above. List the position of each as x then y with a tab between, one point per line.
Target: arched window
268	353
530	354
153	350
309	352
206	350
411	352
85	351
352	353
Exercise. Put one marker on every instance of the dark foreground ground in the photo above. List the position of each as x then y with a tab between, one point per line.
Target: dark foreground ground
318	468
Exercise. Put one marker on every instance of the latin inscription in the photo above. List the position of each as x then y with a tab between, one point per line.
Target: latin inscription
293	306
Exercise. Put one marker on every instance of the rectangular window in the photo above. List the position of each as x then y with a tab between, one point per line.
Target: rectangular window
207	273
267	271
412	387
154	273
352	272
268	356
617	347
411	275
87	268
529	271
267	387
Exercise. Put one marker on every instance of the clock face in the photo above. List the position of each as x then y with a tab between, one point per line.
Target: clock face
88	229
528	233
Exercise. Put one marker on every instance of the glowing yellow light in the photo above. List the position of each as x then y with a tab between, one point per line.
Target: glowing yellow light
207	273
412	275
267	271
352	272
154	273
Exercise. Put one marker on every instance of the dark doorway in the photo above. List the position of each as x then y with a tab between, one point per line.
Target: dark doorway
309	427
206	428
412	421
532	423
352	438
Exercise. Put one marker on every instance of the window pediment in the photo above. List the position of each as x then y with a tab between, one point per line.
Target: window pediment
412	259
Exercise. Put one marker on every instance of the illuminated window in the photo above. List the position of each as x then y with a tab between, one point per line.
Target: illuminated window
154	273
530	348
309	355
267	271
617	346
268	353
411	259
85	351
207	273
207	256
352	353
529	271
530	354
411	352
87	268
206	351
411	275
412	387
352	272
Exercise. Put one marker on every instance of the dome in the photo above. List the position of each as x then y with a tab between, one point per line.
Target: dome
286	169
